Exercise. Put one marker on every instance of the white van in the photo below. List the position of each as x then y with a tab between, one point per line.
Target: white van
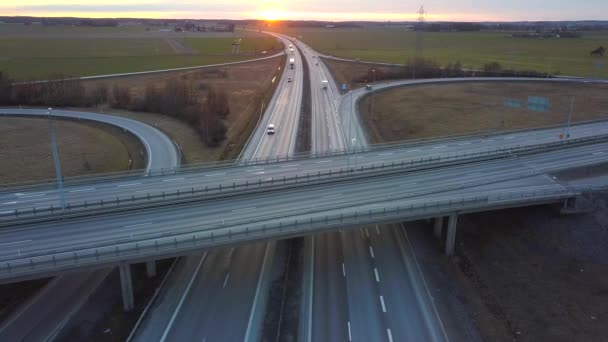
270	129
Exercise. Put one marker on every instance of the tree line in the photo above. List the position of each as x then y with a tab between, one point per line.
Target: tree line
177	98
428	68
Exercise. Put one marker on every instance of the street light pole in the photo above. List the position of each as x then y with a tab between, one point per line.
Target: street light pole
373	113
56	159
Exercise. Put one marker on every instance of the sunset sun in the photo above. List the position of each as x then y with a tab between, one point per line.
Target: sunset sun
270	15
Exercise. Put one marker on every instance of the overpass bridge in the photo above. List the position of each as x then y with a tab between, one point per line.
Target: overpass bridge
176	228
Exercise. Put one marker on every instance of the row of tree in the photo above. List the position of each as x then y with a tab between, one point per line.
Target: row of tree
176	98
428	68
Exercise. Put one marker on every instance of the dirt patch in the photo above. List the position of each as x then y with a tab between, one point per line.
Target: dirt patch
453	109
84	148
541	275
246	85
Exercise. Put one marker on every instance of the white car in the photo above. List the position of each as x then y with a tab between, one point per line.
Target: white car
270	129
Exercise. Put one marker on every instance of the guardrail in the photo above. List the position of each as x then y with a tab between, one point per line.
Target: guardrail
221	191
265	228
209	166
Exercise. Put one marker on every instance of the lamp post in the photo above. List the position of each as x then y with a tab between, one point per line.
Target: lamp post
373	114
56	159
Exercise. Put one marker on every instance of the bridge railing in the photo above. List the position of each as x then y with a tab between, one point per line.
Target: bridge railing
209	166
250	230
303	179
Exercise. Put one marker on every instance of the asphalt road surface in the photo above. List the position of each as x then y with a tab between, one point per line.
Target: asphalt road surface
226	283
43	316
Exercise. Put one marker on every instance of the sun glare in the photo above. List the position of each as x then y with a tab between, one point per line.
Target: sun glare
270	15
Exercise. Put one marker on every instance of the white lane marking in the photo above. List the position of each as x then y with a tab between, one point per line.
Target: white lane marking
350	336
507	138
259	173
324	161
30	196
377	230
371	252
412	151
385	154
82	190
382	303
14	242
6	212
402	185
250	208
138	225
442	146
130	184
367	233
376	274
473	174
215	174
343	271
596	153
8	203
226	280
284	166
329	196
389	334
468	143
173	179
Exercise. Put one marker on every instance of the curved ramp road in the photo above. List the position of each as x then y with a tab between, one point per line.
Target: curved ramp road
348	102
43	316
161	152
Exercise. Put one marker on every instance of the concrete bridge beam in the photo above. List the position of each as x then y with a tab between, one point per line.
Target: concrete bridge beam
126	284
451	235
151	268
438	230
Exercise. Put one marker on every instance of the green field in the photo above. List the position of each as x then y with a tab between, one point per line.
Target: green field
473	49
39	52
32	69
249	45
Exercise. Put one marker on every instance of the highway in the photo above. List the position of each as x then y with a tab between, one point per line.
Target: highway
43	316
184	181
227	282
363	290
347	272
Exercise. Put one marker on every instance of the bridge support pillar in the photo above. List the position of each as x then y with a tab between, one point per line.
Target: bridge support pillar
451	235
438	227
126	284
151	268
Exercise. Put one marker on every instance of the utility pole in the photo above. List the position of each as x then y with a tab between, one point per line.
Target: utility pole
56	159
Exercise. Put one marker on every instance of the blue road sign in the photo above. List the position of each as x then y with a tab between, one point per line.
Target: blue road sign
344	87
538	104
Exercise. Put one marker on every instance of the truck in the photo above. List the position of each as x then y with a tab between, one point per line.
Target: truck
324	84
292	62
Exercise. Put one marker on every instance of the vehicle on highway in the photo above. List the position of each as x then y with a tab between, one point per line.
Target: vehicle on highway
289	79
292	62
324	84
368	87
270	129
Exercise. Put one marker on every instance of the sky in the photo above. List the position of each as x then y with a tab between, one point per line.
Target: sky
335	10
